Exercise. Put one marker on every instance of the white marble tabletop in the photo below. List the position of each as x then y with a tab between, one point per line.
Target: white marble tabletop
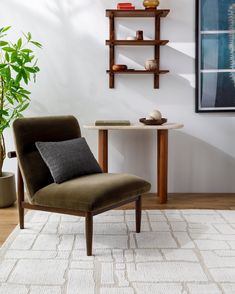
136	126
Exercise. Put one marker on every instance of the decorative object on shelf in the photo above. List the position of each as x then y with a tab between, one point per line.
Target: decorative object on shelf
215	52
139	35
151	4
112	14
153	121
151	65
125	6
113	122
130	38
118	67
17	68
154	114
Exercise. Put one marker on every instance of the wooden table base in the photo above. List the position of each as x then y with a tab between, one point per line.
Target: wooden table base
103	150
162	164
162	159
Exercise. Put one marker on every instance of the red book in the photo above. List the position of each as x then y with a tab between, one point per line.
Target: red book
124	4
127	8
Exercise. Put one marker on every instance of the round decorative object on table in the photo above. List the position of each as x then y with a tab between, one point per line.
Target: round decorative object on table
151	64
153	121
119	67
155	114
151	4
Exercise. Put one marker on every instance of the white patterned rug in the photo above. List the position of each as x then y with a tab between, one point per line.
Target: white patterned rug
178	251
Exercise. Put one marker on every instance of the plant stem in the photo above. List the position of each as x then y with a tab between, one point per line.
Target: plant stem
2	141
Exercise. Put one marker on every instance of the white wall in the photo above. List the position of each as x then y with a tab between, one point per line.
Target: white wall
73	81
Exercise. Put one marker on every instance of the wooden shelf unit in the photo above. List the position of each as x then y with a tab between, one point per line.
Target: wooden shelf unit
156	42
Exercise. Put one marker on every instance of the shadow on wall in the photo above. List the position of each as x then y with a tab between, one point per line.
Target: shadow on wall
196	166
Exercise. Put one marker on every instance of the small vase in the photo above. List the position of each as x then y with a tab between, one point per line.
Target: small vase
151	4
151	64
139	35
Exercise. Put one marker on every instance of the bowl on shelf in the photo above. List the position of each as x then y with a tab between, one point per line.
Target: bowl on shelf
119	67
153	122
151	4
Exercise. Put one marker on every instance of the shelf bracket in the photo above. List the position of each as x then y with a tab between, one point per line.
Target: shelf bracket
157	51
112	49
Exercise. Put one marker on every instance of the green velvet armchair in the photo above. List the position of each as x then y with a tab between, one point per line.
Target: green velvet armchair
84	196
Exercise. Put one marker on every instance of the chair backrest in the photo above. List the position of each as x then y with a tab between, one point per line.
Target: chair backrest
27	131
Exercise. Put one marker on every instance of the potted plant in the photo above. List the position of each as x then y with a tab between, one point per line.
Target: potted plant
18	66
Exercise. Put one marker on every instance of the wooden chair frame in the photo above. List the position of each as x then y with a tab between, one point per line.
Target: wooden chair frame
88	215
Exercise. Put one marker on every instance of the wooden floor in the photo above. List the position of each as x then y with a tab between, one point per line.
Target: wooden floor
9	216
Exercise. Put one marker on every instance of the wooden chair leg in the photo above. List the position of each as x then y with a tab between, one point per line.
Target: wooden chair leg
138	214
89	233
20	193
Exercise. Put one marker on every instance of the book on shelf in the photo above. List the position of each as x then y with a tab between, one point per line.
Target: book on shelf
125	6
112	122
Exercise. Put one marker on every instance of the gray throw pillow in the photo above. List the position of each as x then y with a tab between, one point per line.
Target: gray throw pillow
68	159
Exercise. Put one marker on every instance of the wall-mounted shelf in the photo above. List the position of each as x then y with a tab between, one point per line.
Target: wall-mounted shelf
137	13
137	42
156	42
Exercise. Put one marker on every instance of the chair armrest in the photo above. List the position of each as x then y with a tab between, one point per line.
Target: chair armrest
11	154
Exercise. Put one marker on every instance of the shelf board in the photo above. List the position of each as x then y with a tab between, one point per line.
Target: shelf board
138	71
137	42
137	13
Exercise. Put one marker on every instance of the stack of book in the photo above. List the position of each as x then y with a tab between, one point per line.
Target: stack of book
112	122
125	6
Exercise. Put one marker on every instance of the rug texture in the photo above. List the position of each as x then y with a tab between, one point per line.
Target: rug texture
178	251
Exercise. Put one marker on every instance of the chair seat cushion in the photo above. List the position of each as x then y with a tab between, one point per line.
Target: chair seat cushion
91	192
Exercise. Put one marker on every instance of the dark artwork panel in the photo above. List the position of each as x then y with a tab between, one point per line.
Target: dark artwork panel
218	90
218	51
217	15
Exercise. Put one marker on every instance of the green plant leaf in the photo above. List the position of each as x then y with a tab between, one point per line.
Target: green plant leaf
29	36
19	61
8	49
6	29
26	58
7	56
3	112
13	56
25	77
22	90
18	78
3	43
16	68
24	107
2	65
8	73
26	50
30	69
10	99
19	43
36	44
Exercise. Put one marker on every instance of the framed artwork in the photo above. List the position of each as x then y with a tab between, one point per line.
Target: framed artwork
215	55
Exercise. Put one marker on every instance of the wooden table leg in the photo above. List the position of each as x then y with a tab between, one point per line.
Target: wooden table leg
103	150
162	162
